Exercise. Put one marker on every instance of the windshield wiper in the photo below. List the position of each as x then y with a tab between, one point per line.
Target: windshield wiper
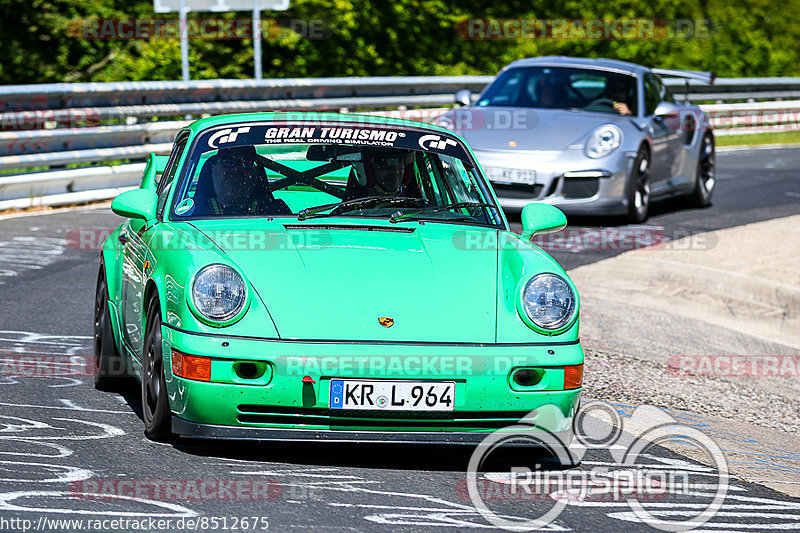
316	211
397	217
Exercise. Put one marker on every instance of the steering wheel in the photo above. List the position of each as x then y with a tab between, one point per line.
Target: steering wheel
602	101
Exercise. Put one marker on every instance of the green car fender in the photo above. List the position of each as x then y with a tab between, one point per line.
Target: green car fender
111	255
176	255
518	262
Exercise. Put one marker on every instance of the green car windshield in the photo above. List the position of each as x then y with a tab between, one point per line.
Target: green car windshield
307	180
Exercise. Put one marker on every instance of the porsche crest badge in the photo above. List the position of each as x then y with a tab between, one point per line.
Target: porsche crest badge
386	321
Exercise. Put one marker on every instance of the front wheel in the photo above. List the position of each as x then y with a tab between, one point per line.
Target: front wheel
639	188
706	173
155	404
109	371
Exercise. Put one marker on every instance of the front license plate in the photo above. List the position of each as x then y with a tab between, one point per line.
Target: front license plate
392	395
511	175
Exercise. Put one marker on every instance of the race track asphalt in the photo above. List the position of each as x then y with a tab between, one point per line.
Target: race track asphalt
61	439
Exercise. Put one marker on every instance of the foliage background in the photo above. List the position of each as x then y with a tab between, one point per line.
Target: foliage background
399	37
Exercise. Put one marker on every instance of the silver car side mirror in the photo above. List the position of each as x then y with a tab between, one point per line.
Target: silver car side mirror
464	97
666	108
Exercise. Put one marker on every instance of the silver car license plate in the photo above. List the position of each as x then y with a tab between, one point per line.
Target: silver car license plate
511	175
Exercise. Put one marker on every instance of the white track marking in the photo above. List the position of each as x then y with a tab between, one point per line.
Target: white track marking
72	382
108	432
716	525
49	354
63	451
299	474
66	408
758	513
178	511
444	513
21	254
68	473
63	344
27	425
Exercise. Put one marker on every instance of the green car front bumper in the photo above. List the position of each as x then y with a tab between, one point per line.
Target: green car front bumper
281	404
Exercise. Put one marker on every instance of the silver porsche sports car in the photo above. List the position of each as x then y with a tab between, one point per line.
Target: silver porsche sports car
591	136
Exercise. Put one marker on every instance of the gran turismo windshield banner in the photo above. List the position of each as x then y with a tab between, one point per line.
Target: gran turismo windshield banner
330	133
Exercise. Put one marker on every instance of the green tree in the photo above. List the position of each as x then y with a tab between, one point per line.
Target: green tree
42	42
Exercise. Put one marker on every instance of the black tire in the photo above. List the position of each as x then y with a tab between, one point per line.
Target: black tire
155	404
639	188
706	178
109	369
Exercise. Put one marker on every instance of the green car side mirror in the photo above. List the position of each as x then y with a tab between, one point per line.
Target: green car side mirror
138	203
155	166
541	218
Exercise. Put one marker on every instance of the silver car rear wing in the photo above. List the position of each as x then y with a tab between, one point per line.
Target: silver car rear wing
705	77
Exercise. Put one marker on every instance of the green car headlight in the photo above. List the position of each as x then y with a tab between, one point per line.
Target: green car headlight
549	302
219	293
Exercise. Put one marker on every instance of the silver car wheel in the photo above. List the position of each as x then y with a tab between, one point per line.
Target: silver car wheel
639	188
706	178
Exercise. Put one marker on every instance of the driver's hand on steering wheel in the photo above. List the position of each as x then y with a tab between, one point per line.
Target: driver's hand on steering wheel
622	108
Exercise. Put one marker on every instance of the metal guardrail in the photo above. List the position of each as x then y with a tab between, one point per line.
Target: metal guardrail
67	95
60	187
732	89
67	124
101	95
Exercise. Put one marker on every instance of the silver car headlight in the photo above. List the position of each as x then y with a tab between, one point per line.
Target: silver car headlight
218	293
549	301
603	141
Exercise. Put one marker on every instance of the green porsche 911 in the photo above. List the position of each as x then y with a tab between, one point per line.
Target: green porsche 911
333	277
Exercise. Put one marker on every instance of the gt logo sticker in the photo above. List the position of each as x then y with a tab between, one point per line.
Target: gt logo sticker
435	142
386	321
226	136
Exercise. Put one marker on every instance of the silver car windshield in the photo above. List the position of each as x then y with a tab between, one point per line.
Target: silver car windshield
563	88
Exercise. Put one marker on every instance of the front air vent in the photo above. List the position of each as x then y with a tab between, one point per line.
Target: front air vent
380	420
580	187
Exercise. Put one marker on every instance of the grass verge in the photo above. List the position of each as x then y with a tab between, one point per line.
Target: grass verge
782	137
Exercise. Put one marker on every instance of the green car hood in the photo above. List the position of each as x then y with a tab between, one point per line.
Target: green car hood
335	280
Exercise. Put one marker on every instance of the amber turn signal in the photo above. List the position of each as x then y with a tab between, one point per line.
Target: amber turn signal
573	376
191	366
